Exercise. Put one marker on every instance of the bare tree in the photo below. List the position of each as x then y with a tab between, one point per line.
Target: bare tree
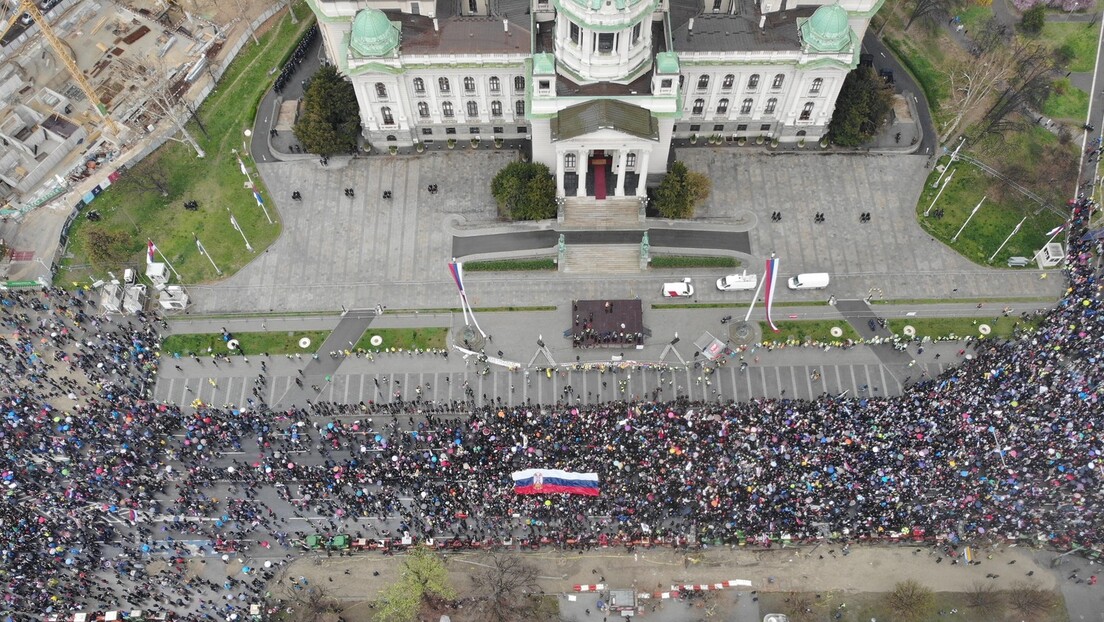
1030	601
163	90
800	607
909	601
985	599
1027	88
147	176
505	586
972	83
929	9
310	604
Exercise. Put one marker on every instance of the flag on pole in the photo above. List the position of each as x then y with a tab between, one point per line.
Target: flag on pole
768	299
199	245
242	165
150	250
257	196
234	223
456	268
1055	230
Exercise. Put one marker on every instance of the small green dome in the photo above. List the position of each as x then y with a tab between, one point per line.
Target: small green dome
373	34
827	30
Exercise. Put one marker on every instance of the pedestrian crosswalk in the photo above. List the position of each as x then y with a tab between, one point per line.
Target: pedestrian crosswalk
538	386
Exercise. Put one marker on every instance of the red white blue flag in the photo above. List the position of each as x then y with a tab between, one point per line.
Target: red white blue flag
150	249
552	481
456	268
771	278
1055	230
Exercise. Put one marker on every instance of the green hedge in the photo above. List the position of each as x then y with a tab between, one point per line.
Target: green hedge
691	261
506	265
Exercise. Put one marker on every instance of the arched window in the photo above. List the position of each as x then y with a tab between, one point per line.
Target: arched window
778	80
388	118
381	90
446	109
728	81
423	110
519	83
569	160
722	106
772	103
496	108
630	160
807	111
443	85
699	106
818	83
473	109
519	108
753	82
495	83
419	85
391	138
745	107
703	83
469	84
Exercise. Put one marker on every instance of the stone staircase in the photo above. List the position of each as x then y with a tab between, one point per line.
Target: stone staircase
602	259
611	213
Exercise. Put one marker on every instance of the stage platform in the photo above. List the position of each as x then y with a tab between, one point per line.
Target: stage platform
611	323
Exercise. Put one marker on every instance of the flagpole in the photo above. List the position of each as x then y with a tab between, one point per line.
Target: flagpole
464	297
1014	231
158	249
753	298
249	178
203	251
968	218
237	227
939	194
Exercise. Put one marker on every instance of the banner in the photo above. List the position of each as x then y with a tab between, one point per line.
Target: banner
771	278
553	481
456	269
150	250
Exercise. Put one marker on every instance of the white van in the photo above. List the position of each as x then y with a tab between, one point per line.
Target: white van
678	289
809	280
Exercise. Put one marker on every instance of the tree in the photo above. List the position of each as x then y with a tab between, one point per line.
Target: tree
1027	87
929	9
331	115
505	585
147	176
985	598
424	575
909	601
525	191
1033	19
863	104
1031	602
973	82
680	192
310	604
107	248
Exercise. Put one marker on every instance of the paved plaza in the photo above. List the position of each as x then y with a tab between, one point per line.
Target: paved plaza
366	250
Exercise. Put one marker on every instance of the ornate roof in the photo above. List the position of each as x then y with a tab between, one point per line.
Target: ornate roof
373	34
827	30
604	114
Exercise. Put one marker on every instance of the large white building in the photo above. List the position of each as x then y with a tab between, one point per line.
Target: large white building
600	87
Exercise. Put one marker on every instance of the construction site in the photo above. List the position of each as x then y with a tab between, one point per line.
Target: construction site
85	87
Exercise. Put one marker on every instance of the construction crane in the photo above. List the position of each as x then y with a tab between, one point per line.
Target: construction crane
30	8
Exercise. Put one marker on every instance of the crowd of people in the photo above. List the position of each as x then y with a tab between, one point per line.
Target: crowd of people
1007	444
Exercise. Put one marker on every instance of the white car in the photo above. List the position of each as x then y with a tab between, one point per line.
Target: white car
678	289
735	282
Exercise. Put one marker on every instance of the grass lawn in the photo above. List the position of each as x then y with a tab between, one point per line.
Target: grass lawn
804	330
1066	102
925	57
405	338
940	327
1003	207
974	15
272	342
215	181
1078	37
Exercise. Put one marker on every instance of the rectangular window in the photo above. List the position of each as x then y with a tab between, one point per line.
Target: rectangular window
473	130
765	127
545	85
718	128
716	6
427	131
522	130
574	33
450	130
695	128
497	130
741	127
473	6
636	33
665	83
605	42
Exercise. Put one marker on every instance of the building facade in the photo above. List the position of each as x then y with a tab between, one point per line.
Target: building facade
599	87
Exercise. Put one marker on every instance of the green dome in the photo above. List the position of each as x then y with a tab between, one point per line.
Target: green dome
373	34
827	30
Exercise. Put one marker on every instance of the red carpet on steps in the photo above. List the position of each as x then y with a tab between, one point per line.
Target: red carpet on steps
599	180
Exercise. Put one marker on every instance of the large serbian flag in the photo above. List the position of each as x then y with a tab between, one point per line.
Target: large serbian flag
550	481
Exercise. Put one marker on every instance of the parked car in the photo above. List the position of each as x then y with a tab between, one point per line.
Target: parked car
678	289
735	282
